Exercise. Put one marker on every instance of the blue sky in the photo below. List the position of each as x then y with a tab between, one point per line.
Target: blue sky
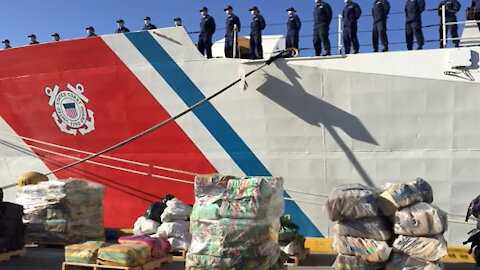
69	18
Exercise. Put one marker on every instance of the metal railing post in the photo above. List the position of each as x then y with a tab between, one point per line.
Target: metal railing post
340	34
444	28
235	41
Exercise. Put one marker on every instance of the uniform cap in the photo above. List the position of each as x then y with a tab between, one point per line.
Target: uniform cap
147	18
203	8
291	9
120	20
55	35
32	35
5	41
253	8
228	8
90	27
177	19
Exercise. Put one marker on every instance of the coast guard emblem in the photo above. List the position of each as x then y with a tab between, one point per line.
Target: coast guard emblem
71	115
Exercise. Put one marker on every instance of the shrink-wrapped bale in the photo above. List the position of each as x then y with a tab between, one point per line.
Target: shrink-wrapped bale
178	229
231	223
294	247
424	248
144	225
421	219
376	228
124	255
83	253
176	210
157	247
352	202
347	262
368	249
397	196
400	261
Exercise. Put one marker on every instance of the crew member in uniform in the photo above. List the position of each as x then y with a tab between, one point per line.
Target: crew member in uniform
451	9
351	13
90	31
55	37
232	26
380	11
413	25
121	27
33	39
322	17
177	21
148	24
207	28
476	11
6	44
256	27
293	29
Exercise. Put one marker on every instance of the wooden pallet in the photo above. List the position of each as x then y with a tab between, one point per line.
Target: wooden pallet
298	258
179	255
148	266
17	253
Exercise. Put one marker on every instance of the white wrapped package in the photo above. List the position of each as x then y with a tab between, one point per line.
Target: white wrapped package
367	249
352	202
180	243
146	226
421	219
397	196
347	262
176	210
376	228
424	248
294	247
179	229
400	261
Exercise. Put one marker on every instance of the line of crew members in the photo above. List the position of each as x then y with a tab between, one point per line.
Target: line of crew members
322	18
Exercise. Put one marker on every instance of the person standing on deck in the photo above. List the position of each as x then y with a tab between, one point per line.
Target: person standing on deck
232	26
33	39
256	26
90	31
380	11
177	22
55	37
6	44
322	17
207	29
121	27
476	11
351	13
413	25
293	29
148	24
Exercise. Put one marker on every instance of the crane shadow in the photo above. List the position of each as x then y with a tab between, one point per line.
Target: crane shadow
317	112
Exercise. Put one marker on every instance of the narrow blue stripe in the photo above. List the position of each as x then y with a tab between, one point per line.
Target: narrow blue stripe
211	119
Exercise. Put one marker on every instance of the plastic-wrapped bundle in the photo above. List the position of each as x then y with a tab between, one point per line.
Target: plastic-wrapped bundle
178	234
347	262
124	255
368	249
397	196
144	225
176	210
157	246
352	202
376	228
83	253
424	248
231	221
421	219
294	247
400	261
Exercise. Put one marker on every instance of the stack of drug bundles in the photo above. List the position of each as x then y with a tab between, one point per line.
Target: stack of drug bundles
152	218
289	238
175	225
231	223
419	224
12	230
361	233
62	212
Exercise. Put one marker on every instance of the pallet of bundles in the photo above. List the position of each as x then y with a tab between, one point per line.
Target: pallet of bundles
151	265
8	255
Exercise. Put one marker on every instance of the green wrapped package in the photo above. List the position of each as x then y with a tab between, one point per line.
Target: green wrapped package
231	230
205	212
288	230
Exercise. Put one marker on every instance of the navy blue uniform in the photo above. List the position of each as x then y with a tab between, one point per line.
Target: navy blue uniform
231	21
92	35
34	42
351	13
293	28
413	25
122	29
149	27
451	9
380	11
7	47
207	28
322	16
476	10
256	26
